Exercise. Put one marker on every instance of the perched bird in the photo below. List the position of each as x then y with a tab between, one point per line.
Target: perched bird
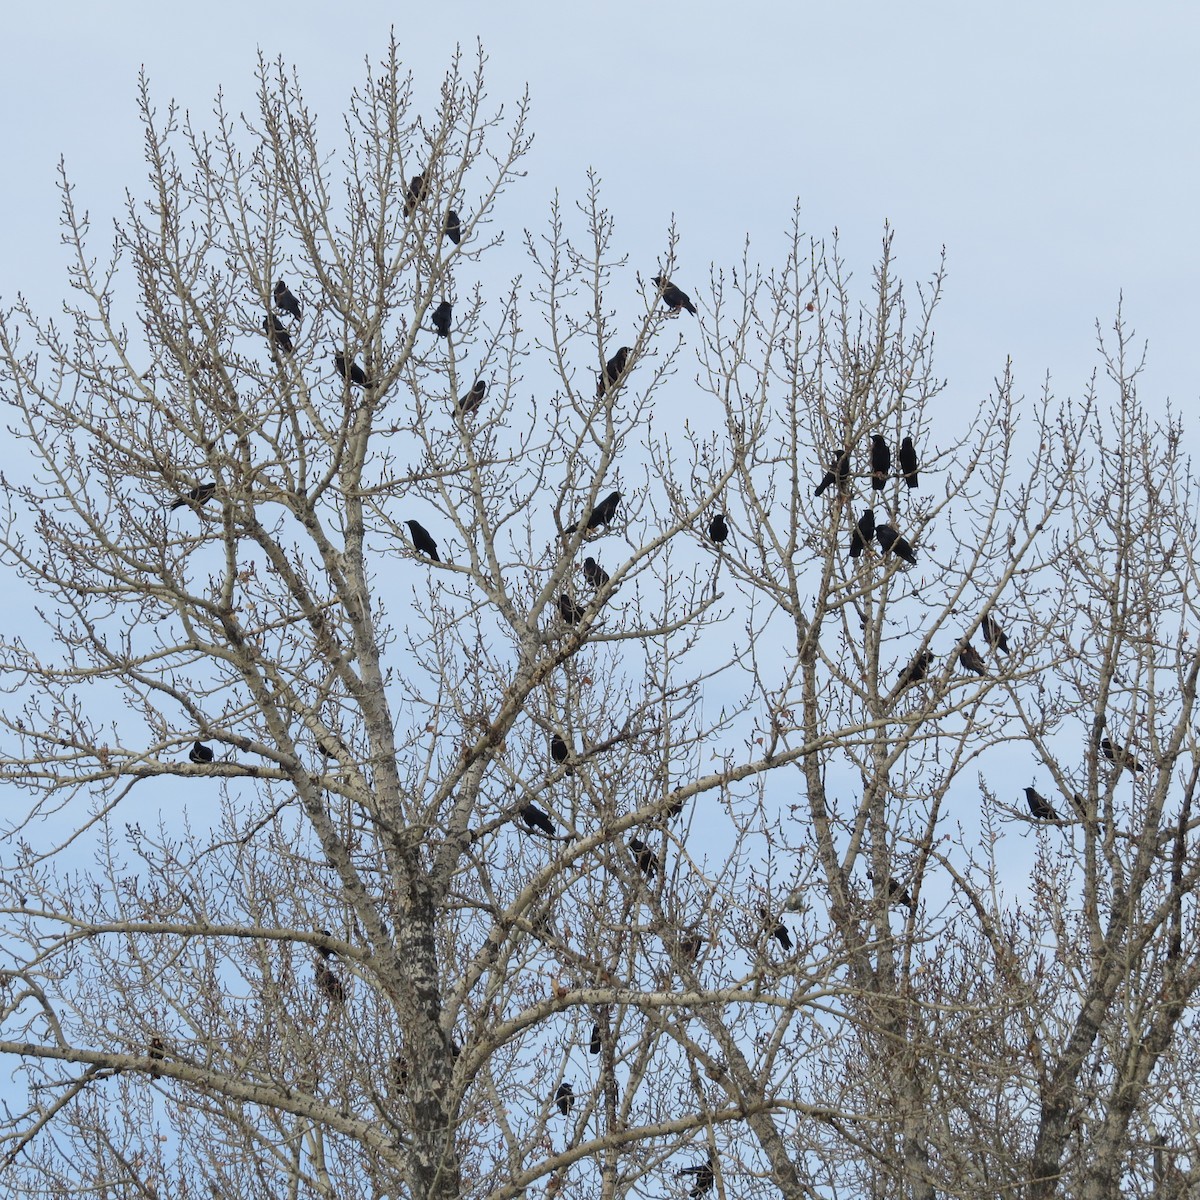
864	533
423	540
908	462
705	1178
881	461
1119	755
915	671
718	530
897	892
453	229
969	659
594	1043
570	612
613	370
839	473
352	373
474	398
198	495
889	539
276	334
441	318
560	752
594	573
779	933
647	860
674	809
564	1098
602	514
1039	806
673	298
415	193
534	818
993	634
285	301
327	981
200	753
690	945
156	1053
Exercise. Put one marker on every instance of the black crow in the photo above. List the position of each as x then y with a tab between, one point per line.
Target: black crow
570	612
969	659
276	334
779	932
198	495
285	301
327	981
564	1098
1039	806
594	1043
560	752
534	818
474	398
423	540
1119	755
993	634
690	945
897	892
889	539
881	461
352	374
441	318
839	473
908	462
594	573
915	671
613	369
647	860
156	1053
602	514
673	298
704	1177
718	530
200	753
864	533
453	228
674	809
415	193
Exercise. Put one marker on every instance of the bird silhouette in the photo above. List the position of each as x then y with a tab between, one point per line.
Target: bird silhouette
705	1177
423	540
897	892
564	1098
285	301
594	1043
276	333
570	612
889	539
327	980
199	495
602	514
594	573
969	659
613	370
908	462
864	533
779	932
474	398
916	669
881	461
672	297
441	318
415	193
647	860
453	229
200	753
1039	806
993	634
352	373
718	530
560	752
838	472
534	818
1119	755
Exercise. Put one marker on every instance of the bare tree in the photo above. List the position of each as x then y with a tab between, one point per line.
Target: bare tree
427	796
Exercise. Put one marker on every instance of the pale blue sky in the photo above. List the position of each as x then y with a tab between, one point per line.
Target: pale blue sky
1051	148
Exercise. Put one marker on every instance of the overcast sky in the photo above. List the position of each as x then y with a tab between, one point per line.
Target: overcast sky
1050	147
